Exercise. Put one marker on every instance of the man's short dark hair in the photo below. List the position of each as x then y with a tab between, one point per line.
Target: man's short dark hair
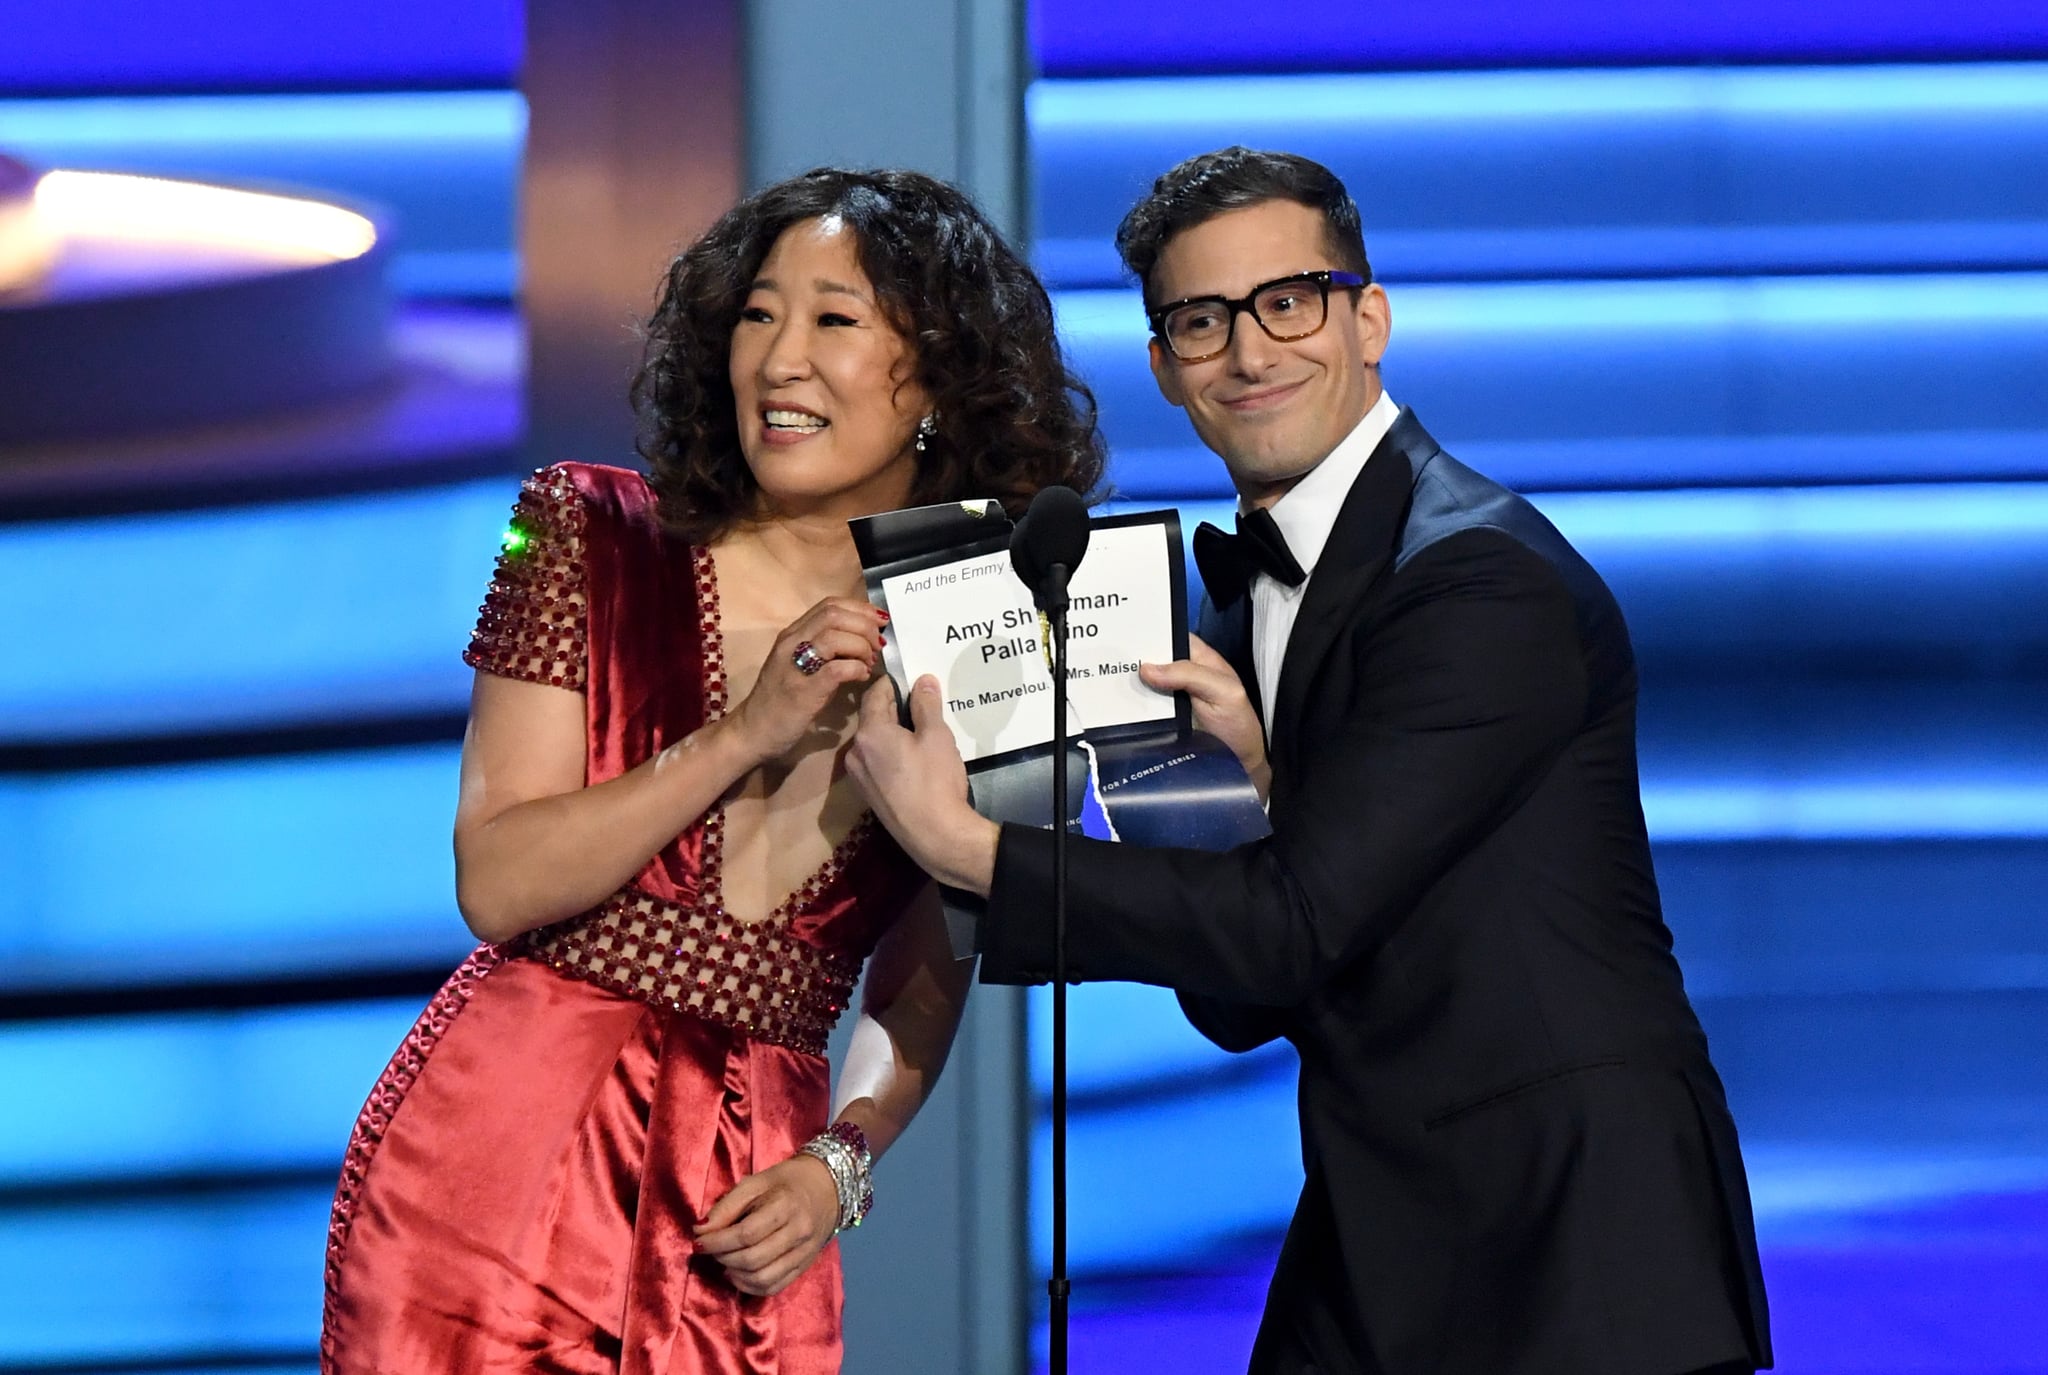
1232	178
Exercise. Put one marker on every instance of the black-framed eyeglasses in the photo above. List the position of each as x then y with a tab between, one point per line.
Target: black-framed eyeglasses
1198	328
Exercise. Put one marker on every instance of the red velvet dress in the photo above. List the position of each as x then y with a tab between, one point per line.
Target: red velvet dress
520	1190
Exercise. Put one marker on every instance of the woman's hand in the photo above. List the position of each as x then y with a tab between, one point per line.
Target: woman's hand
785	702
1221	706
769	1228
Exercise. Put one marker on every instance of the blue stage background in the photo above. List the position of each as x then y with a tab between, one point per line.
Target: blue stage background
1753	301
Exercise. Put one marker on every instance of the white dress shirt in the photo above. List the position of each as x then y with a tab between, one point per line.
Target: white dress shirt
1306	516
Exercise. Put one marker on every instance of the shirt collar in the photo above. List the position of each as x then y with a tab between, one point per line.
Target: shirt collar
1308	511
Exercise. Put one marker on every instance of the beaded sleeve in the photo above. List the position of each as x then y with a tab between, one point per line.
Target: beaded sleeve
531	625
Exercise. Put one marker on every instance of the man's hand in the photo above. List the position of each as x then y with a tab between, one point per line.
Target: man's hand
769	1228
916	784
1221	706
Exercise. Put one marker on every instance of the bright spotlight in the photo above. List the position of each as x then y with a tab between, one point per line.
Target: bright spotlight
107	206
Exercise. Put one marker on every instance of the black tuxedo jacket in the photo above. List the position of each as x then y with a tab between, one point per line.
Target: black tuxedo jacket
1519	1160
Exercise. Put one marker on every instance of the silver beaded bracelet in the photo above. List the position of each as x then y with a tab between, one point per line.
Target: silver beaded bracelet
843	1149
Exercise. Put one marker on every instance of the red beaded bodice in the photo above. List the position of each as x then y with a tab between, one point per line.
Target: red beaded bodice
751	976
591	594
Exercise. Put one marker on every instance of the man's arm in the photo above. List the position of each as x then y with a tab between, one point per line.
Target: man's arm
1235	1027
1467	694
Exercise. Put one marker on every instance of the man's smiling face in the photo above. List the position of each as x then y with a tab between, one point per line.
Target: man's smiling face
1270	410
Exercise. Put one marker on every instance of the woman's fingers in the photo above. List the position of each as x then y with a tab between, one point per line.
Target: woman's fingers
842	614
767	1254
837	628
774	1279
742	1244
854	606
733	1212
839	641
767	1229
835	644
771	1264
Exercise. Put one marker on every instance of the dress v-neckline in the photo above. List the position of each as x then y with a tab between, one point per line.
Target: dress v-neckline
711	867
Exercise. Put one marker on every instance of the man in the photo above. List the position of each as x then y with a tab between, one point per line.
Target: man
1519	1159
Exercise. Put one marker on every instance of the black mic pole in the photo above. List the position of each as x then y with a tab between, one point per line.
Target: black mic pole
1047	546
1058	1288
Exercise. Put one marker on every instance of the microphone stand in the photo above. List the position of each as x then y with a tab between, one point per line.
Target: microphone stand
1058	1288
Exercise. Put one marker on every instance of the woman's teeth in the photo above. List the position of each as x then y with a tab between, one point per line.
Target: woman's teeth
795	420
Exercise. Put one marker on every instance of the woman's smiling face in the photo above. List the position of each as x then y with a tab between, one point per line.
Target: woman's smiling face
823	381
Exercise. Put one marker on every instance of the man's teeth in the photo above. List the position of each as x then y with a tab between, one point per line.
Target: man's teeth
795	420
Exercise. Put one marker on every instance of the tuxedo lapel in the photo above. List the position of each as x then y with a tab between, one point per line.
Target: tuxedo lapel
1361	544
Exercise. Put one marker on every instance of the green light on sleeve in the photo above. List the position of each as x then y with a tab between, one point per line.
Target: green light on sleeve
513	541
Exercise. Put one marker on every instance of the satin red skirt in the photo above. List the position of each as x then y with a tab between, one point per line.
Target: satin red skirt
522	1188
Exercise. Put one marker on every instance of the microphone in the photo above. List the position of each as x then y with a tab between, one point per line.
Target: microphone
1048	545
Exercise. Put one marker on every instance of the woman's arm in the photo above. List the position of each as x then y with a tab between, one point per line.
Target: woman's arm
534	845
772	1225
911	1006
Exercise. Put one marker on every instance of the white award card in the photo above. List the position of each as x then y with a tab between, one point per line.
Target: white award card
971	624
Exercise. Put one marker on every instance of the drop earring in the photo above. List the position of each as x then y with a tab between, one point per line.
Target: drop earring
926	428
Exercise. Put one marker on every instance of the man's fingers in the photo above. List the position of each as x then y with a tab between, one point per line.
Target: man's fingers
927	708
1171	677
1200	652
1200	681
878	704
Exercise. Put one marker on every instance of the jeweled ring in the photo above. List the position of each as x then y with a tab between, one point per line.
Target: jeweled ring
807	658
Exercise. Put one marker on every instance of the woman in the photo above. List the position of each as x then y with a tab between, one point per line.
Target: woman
605	1146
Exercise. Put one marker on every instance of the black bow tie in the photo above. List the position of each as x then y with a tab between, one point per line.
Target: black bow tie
1229	562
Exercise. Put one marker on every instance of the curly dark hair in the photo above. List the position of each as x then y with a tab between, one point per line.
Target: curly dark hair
1200	188
1010	417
